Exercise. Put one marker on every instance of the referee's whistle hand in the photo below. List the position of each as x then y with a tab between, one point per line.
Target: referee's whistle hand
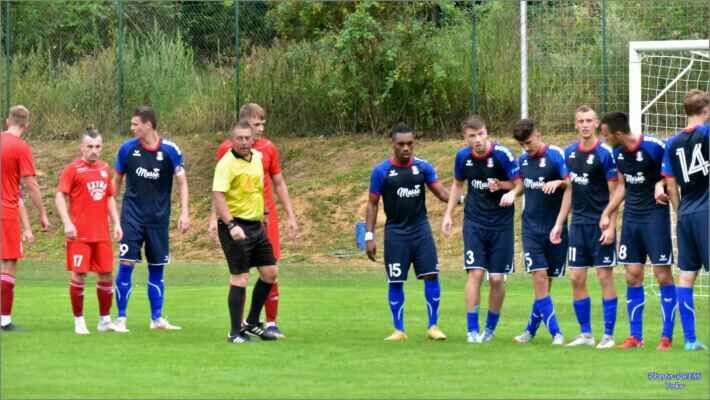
371	249
237	233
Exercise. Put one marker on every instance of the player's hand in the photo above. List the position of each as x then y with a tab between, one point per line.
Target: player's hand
293	228
608	236
556	234
446	225
371	249
237	233
552	186
604	221
117	233
28	237
184	222
507	200
660	195
70	231
493	184
44	222
212	229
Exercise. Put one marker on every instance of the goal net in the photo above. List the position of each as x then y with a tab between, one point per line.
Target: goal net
660	74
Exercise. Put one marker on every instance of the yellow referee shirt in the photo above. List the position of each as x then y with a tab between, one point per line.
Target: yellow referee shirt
242	183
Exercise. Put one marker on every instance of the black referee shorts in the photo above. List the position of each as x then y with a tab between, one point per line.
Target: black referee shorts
254	251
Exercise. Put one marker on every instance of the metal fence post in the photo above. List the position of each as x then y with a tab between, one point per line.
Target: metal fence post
605	60
523	59
237	52
119	65
8	58
474	63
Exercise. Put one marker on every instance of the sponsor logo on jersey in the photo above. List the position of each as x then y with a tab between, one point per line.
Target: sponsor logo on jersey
635	180
580	179
97	189
406	192
533	184
479	184
144	173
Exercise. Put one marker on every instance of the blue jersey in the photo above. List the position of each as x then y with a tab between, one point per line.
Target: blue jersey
641	168
403	191
149	181
589	171
541	209
686	159
483	206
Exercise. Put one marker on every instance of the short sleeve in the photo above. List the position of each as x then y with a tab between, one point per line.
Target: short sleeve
430	176
120	165
223	176
66	179
175	155
110	190
275	166
27	164
377	179
222	150
666	167
609	165
508	162
559	162
459	166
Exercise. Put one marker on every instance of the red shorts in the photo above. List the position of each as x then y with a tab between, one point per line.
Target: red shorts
10	239
83	257
272	232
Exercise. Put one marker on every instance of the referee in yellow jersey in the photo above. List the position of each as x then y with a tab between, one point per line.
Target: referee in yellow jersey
238	195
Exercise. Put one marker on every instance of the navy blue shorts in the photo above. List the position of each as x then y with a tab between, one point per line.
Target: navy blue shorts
541	254
692	232
155	239
585	250
648	237
488	249
402	249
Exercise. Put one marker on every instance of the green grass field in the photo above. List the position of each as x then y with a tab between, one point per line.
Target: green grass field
335	318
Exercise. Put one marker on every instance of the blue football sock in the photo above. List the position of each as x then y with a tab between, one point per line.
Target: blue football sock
668	307
395	295
432	294
635	300
156	290
492	320
534	320
123	287
687	312
546	311
609	308
472	320
583	311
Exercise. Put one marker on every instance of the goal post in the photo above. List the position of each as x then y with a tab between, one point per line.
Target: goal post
660	75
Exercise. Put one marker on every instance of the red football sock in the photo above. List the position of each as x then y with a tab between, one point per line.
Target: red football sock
271	306
104	292
76	293
7	291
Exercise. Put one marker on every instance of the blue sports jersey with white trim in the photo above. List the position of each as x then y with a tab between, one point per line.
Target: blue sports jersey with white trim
641	168
482	206
686	159
589	171
149	181
403	191
540	212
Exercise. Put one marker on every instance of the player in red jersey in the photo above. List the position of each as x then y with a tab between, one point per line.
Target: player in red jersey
256	116
16	166
87	183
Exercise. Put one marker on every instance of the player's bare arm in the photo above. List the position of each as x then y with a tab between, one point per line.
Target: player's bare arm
508	199
32	187
556	232
659	193
552	186
282	193
62	209
373	203
439	191
184	220
115	220
615	200
609	233
235	231
672	189
454	195
27	235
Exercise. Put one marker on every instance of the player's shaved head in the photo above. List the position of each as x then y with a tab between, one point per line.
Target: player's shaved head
696	102
400	127
19	115
91	145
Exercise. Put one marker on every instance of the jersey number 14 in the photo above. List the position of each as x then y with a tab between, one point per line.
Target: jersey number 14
697	162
